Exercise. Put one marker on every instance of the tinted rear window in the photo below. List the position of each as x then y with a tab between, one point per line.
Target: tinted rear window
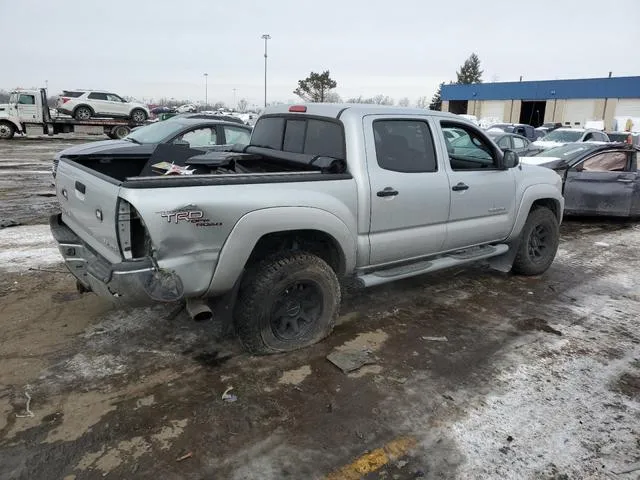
268	133
300	135
71	94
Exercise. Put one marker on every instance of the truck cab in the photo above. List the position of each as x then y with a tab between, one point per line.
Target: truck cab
24	107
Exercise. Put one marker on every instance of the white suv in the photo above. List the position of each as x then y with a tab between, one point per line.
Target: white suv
84	104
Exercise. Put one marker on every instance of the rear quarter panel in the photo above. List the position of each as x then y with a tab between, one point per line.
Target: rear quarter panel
192	244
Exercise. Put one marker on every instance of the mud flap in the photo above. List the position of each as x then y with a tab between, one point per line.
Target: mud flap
504	262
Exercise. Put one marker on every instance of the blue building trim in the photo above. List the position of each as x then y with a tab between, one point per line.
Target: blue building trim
615	87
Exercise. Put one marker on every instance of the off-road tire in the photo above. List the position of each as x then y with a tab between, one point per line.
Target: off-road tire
138	115
527	262
78	113
267	286
7	131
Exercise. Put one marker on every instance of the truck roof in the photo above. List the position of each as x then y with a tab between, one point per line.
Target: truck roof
336	110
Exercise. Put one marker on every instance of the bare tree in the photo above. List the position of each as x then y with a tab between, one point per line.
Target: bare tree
382	100
404	102
242	105
422	102
332	97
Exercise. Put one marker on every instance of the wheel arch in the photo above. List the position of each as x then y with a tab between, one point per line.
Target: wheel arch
16	126
262	232
537	196
75	109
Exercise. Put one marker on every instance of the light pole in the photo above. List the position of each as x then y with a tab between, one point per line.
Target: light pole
234	98
265	37
206	91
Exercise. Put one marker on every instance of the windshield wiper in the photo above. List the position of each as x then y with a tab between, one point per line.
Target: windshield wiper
131	139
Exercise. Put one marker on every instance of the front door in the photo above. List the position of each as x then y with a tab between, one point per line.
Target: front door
27	108
603	184
99	103
409	189
117	105
482	194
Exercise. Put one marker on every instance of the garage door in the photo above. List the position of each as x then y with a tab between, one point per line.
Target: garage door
577	112
492	111
628	108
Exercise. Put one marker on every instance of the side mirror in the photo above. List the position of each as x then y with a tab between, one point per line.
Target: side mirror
184	143
510	159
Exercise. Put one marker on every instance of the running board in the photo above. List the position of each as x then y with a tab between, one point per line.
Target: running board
459	257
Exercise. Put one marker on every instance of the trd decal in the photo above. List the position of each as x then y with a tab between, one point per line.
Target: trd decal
195	217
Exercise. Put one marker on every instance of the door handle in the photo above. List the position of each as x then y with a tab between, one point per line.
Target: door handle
387	192
459	187
81	187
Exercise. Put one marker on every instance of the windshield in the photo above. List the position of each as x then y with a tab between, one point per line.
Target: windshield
562	136
156	132
13	99
566	152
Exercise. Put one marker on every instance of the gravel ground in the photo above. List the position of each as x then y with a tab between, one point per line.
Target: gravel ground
472	374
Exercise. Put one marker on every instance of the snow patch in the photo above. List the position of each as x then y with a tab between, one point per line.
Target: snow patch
25	247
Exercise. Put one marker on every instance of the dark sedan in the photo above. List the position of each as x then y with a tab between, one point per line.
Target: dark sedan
511	141
197	133
599	179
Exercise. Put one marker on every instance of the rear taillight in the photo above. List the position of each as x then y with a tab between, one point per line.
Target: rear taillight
133	238
65	99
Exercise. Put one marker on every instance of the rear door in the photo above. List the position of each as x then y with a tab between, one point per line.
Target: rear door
409	190
602	184
482	194
98	101
88	203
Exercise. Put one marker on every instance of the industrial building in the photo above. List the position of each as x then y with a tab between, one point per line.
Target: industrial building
613	100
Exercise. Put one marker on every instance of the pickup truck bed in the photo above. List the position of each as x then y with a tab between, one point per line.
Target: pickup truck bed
322	192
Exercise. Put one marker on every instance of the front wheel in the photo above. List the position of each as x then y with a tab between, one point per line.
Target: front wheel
6	131
138	115
539	243
287	302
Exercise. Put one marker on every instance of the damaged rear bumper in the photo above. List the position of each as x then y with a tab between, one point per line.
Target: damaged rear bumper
130	282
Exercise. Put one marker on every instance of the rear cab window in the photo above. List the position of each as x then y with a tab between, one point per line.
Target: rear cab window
301	134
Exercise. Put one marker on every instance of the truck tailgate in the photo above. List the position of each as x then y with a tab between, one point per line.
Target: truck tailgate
88	201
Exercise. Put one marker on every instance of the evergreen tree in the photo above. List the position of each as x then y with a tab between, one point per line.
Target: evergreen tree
315	87
436	100
470	71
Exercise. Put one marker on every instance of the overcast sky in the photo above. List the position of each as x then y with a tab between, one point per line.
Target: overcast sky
161	48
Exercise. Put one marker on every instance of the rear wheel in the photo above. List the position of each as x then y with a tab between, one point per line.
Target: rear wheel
288	301
7	131
82	113
119	132
539	243
138	115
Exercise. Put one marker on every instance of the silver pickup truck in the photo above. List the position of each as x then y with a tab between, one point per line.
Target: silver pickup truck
323	192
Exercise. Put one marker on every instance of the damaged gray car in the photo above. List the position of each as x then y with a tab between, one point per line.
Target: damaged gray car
598	179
